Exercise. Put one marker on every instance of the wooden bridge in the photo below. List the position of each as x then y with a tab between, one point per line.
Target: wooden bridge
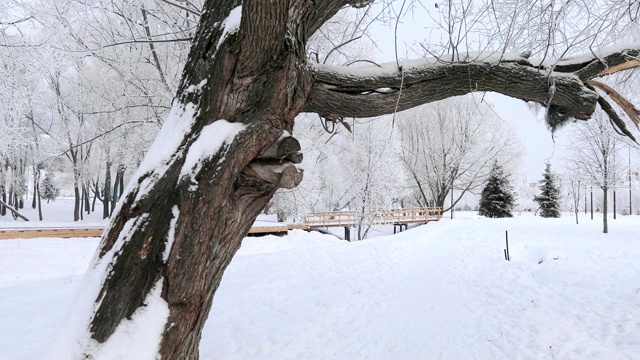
398	218
384	217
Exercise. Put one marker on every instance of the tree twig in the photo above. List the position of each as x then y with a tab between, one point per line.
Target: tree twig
194	12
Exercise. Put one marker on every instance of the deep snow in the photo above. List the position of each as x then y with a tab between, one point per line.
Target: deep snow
440	291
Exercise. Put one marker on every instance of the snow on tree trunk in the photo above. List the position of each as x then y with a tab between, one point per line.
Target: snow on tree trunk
164	267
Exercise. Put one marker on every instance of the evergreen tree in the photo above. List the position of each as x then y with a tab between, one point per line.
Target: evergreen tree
497	200
549	198
49	190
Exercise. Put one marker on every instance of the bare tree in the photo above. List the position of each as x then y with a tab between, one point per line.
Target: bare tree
595	150
453	142
377	178
575	191
203	182
116	66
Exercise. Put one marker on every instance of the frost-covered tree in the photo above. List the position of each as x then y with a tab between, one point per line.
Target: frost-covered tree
575	185
594	152
549	198
99	70
328	182
453	143
325	187
360	171
378	179
497	199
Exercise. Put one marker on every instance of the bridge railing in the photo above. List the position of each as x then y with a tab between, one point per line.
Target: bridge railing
331	219
351	218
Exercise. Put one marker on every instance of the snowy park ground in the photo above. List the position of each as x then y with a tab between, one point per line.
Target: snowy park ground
439	291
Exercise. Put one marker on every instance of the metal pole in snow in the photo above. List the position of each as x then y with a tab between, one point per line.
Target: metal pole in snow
506	233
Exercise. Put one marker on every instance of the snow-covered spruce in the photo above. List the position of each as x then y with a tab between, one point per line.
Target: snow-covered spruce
497	199
549	198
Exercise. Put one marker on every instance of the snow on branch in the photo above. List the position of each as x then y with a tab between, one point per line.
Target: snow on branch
357	92
374	90
601	62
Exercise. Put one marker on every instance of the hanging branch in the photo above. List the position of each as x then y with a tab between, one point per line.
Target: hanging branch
626	105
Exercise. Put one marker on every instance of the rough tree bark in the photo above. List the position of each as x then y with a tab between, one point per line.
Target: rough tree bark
181	221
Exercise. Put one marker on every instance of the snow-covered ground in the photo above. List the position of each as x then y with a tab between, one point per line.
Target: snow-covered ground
58	213
440	291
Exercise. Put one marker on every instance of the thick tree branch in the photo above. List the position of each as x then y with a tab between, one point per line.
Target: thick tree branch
601	63
316	13
372	91
343	90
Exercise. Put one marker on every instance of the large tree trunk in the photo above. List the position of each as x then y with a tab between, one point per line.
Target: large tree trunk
198	192
183	217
